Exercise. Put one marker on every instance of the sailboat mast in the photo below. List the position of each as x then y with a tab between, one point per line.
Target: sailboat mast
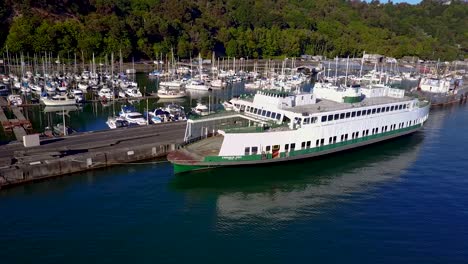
346	75
112	82
362	63
336	70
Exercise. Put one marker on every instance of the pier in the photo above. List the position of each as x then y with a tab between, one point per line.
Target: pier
86	151
17	125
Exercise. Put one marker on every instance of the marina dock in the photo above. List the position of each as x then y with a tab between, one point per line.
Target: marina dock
17	125
86	151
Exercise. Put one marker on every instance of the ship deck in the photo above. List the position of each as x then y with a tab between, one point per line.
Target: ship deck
197	151
324	105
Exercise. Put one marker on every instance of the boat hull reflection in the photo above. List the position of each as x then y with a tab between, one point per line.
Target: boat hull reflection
283	191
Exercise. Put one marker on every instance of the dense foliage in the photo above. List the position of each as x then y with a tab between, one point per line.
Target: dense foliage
248	28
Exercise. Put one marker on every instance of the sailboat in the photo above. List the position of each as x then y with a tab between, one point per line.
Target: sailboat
216	83
199	84
173	82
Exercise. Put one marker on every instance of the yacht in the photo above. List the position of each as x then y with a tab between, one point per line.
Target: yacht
59	100
170	94
78	94
135	118
197	85
105	94
133	92
200	109
218	83
14	99
116	122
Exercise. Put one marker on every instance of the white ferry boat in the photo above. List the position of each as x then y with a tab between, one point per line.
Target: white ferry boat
274	126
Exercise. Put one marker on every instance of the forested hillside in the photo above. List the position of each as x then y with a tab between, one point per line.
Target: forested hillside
248	28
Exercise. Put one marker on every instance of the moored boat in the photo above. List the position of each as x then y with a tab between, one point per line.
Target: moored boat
443	90
197	85
59	100
14	99
117	122
170	94
276	126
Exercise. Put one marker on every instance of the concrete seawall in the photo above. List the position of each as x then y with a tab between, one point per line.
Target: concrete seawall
86	152
47	168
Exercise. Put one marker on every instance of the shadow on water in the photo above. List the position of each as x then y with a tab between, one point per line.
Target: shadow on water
49	141
369	164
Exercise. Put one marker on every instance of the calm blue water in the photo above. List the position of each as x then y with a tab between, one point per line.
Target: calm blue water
402	201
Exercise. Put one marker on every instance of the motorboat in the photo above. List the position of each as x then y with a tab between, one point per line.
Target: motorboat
170	94
156	120
106	94
200	109
218	83
82	86
25	88
15	99
197	85
176	112
36	88
50	89
78	94
117	122
59	100
124	109
62	89
135	118
228	106
133	92
254	85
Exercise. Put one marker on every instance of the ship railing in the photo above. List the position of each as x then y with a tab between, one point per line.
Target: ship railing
252	129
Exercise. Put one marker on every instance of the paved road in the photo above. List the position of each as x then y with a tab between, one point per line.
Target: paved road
100	140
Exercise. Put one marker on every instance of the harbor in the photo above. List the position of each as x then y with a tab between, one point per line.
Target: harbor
177	131
75	136
381	194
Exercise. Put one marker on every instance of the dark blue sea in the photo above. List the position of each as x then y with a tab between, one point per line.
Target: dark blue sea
400	201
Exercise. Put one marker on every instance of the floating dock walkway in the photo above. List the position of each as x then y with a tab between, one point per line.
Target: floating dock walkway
17	125
86	151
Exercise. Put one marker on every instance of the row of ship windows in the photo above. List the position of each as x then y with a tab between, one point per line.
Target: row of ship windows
332	140
325	118
264	113
378	110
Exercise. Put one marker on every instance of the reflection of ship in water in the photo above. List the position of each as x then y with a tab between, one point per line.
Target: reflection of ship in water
61	109
283	191
172	100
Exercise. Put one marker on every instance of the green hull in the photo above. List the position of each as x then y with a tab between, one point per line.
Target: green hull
179	168
219	161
